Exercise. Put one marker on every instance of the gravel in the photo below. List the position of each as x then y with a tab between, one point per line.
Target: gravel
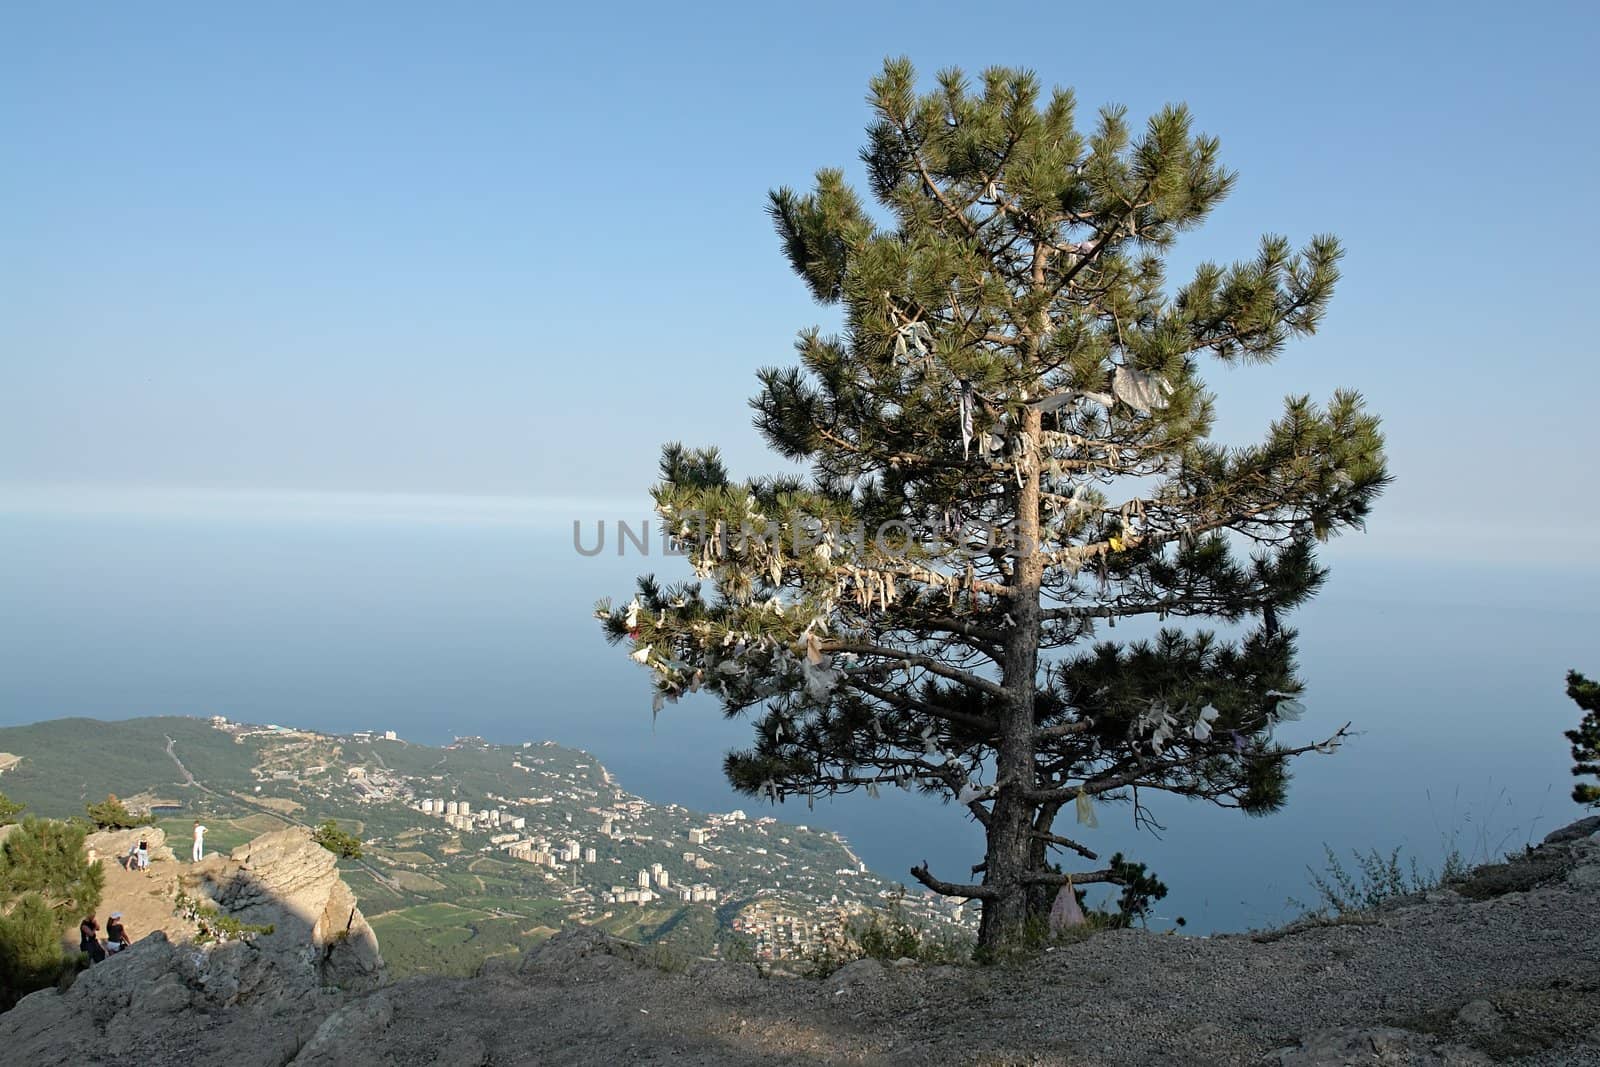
1507	974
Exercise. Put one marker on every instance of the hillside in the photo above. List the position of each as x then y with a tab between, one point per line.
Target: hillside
476	849
67	762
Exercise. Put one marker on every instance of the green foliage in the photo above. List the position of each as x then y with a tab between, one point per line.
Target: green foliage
1586	738
737	948
70	759
887	934
1375	879
667	958
1017	391
449	940
48	858
341	844
214	926
112	814
30	948
9	810
46	884
1140	889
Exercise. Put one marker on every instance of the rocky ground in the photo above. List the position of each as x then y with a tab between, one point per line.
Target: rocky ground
1503	967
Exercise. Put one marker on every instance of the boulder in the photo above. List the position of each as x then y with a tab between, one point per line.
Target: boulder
349	1032
115	844
1577	831
863	970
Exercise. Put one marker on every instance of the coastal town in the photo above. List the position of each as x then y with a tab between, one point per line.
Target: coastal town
538	821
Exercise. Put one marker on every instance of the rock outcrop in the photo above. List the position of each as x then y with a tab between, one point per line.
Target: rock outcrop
240	1002
113	845
286	880
1497	968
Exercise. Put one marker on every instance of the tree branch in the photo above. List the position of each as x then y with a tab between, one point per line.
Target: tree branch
1066	842
932	666
909	703
953	889
1060	878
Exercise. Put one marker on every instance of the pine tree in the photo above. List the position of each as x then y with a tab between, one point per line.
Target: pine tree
48	857
1586	738
9	810
337	841
112	814
46	884
1009	448
30	949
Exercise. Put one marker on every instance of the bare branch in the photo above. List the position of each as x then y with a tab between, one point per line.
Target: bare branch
953	889
1066	842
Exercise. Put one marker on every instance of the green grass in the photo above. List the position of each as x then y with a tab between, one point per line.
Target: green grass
445	939
221	835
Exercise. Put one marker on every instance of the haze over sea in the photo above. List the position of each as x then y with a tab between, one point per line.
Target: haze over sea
438	617
272	278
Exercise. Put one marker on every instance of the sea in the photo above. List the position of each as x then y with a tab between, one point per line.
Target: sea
439	619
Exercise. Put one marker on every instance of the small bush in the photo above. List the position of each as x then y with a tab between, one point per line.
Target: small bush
1375	879
887	935
213	925
341	844
737	948
667	958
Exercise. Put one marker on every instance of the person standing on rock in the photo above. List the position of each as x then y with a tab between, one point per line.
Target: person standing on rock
199	841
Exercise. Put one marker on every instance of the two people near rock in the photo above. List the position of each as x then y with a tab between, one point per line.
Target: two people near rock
138	858
89	941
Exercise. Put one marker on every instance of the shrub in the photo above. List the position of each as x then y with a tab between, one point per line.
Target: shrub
112	814
213	925
30	948
886	935
9	810
46	881
1140	889
1375	879
1586	738
341	844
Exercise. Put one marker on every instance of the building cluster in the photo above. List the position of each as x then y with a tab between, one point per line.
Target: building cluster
459	815
377	785
544	853
655	883
778	931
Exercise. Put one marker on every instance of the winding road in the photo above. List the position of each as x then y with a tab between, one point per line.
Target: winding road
190	780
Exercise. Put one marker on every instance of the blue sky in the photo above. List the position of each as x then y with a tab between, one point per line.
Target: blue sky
498	251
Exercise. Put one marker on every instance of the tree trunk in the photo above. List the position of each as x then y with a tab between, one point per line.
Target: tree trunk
1041	897
1010	853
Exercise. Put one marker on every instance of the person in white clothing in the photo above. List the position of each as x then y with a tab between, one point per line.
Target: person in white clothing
199	841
